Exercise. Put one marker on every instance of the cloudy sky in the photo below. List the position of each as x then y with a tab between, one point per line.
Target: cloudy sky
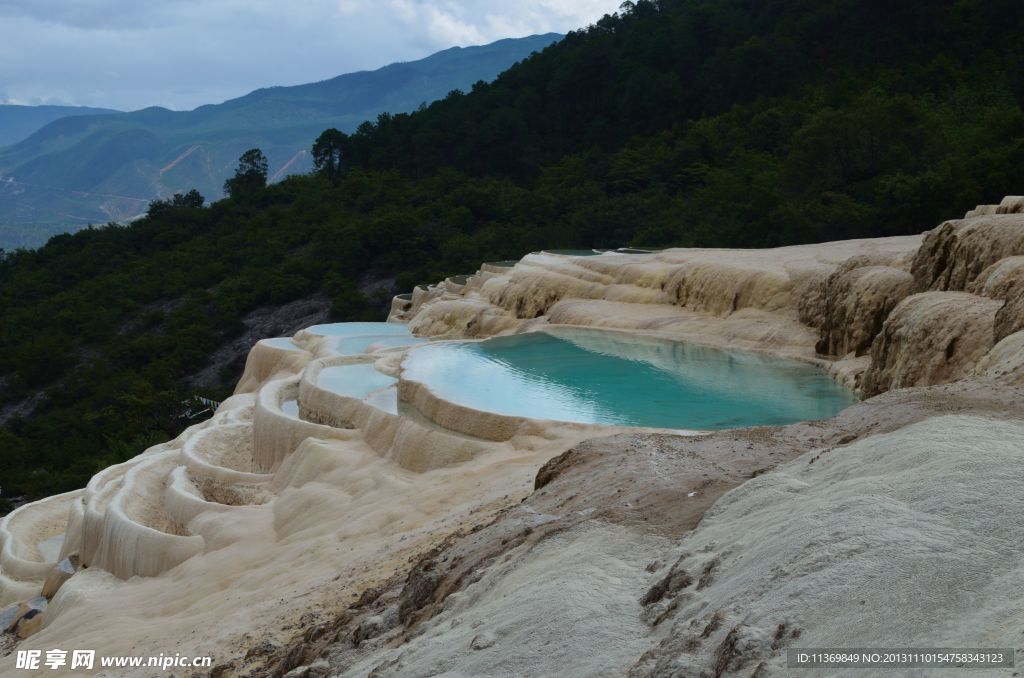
129	54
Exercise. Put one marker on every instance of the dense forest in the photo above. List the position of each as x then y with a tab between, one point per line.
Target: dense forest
677	122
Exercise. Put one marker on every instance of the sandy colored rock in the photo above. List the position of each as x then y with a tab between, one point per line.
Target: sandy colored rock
814	554
955	254
640	291
720	289
30	624
1005	362
11	615
1004	280
857	300
60	573
459	318
1011	204
931	338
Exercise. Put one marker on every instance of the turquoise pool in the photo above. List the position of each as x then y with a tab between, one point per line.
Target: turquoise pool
611	378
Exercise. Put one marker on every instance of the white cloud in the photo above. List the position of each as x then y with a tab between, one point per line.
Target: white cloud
183	53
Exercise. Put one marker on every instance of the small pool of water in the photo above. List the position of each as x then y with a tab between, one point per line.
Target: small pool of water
357	329
291	408
362	344
354	381
610	378
282	342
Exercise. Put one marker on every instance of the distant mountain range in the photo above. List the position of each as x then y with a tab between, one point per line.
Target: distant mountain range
108	167
20	122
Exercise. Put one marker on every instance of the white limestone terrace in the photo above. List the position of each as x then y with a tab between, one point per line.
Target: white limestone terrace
327	472
305	404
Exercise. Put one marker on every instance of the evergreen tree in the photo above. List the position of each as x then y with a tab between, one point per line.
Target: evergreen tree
327	153
250	175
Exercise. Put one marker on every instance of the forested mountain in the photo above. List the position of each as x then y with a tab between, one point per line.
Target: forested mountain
20	122
678	122
95	169
746	122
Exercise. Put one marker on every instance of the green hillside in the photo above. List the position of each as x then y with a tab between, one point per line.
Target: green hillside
681	122
99	168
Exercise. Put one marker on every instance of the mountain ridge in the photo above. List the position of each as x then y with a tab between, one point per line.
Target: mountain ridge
18	122
64	173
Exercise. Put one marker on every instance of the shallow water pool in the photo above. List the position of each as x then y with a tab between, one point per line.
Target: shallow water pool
611	378
359	329
354	381
361	344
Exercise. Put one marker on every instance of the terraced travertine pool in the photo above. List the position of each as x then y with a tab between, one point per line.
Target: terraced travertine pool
360	329
354	381
360	337
361	344
609	378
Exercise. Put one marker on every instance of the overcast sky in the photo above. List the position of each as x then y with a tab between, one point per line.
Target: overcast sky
130	54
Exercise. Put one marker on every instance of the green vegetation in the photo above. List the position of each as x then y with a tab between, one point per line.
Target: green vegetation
733	122
327	153
682	122
191	199
250	176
